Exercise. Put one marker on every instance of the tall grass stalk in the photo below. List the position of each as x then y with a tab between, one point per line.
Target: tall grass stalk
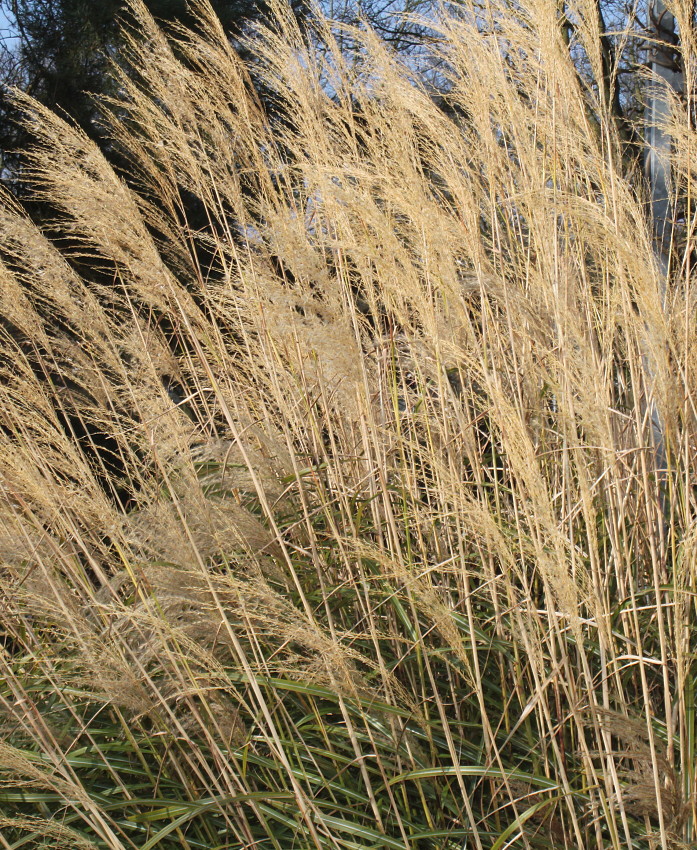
330	515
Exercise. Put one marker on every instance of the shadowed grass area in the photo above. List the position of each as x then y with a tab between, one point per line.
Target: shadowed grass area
330	515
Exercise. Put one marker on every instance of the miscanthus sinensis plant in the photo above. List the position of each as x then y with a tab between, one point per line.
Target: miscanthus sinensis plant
330	515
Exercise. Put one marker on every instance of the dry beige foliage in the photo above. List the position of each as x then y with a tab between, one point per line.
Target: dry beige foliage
410	352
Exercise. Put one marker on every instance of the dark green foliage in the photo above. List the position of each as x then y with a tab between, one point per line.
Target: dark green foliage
64	49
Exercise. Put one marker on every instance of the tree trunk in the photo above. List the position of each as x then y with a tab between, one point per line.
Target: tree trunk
667	78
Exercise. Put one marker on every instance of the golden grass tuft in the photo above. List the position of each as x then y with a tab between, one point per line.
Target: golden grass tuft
330	513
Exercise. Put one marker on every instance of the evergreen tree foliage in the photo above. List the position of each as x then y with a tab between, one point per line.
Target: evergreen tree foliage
63	49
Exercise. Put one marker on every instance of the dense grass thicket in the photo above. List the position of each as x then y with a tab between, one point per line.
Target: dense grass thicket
331	515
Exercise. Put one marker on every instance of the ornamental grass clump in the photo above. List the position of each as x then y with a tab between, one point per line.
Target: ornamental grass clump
330	507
